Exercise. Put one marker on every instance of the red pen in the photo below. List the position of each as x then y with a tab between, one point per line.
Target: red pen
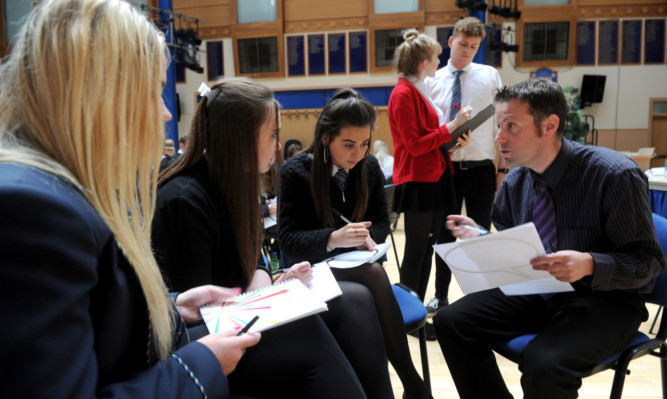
457	107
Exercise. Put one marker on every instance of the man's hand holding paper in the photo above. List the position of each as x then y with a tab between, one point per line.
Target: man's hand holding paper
504	260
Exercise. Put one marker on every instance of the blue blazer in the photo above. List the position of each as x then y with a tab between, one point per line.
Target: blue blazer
75	321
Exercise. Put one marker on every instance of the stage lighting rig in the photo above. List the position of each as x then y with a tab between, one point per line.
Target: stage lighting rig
472	5
181	33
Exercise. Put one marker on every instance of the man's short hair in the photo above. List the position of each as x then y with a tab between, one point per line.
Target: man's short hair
470	26
543	96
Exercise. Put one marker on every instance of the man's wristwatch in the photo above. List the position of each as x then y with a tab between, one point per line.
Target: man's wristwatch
503	170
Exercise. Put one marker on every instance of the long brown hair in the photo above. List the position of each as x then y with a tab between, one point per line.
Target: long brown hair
346	108
225	130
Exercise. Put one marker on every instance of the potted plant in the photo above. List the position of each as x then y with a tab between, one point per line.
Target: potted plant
575	129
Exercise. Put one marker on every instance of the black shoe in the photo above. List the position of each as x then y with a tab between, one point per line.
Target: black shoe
430	332
435	305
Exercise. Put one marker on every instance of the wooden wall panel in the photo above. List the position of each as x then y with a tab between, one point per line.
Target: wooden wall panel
215	16
627	139
304	10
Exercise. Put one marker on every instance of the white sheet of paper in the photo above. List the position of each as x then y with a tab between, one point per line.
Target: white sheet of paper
356	258
269	221
324	284
500	259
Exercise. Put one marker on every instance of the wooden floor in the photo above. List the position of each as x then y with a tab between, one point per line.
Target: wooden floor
643	382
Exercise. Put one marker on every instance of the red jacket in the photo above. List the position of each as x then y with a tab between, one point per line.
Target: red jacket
417	136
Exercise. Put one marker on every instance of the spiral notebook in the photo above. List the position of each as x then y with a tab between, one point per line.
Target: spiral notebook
275	304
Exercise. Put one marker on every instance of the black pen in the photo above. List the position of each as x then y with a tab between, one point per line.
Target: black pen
340	215
481	231
247	326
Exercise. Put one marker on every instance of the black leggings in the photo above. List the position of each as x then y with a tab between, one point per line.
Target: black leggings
354	323
375	279
296	360
421	232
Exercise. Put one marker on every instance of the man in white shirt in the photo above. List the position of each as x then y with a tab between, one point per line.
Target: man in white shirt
475	177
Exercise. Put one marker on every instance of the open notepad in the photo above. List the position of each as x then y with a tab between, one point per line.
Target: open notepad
274	304
357	258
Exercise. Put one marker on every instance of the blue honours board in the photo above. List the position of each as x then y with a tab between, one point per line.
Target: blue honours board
315	54
608	48
180	72
296	63
357	52
586	43
654	45
494	58
631	44
337	53
443	35
214	64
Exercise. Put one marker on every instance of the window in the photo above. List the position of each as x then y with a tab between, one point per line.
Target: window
395	6
386	42
528	3
255	11
545	41
258	55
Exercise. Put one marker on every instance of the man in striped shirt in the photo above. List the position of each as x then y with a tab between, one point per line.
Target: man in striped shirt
605	246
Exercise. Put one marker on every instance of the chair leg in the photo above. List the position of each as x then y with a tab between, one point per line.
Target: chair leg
655	319
663	370
393	244
621	370
424	355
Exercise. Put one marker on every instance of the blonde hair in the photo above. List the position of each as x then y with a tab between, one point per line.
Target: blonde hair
415	48
80	97
380	150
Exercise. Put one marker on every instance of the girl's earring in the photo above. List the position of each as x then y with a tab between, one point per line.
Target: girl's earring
326	154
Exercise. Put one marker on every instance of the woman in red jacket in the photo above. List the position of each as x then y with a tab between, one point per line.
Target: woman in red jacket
422	171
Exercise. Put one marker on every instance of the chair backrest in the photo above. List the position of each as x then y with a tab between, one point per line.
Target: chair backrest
389	194
659	294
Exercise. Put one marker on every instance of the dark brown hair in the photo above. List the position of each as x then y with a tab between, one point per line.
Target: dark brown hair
225	131
346	108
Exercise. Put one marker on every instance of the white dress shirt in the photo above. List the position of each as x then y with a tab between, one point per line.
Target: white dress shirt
479	84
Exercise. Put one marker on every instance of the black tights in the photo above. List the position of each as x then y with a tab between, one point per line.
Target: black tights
354	323
373	277
421	231
296	360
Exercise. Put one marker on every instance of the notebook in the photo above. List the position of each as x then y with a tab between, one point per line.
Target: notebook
274	304
350	259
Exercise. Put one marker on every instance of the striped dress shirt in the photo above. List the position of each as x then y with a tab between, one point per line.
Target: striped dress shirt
601	202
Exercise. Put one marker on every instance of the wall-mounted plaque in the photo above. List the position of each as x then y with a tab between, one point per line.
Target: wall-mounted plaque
357	52
654	44
608	48
631	42
586	43
315	54
336	53
443	35
214	65
296	62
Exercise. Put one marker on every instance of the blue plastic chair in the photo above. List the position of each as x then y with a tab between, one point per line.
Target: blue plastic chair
640	344
414	317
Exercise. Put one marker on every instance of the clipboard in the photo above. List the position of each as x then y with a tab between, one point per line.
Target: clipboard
470	124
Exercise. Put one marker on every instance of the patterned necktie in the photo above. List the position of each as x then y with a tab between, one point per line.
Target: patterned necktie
456	95
341	178
544	217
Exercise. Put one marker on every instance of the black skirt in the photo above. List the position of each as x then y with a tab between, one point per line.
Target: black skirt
426	197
